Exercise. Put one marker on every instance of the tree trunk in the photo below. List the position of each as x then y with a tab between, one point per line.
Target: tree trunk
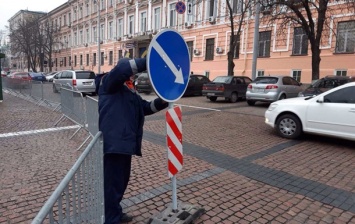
315	63
230	63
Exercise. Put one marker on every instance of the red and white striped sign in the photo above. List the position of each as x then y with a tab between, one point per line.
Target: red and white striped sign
174	140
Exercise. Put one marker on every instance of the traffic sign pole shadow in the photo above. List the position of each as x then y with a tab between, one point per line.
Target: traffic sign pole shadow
168	67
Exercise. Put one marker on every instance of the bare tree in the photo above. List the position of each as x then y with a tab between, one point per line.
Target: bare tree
237	12
311	16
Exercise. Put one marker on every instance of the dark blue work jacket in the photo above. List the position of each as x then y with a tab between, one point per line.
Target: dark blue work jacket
122	111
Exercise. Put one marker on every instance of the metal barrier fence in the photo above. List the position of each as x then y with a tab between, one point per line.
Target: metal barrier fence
79	197
34	91
92	115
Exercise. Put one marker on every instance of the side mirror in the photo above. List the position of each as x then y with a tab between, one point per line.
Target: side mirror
320	99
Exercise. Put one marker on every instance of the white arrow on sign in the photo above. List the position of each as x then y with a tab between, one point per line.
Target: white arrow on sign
177	72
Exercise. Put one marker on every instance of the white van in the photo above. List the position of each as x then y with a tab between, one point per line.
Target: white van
77	80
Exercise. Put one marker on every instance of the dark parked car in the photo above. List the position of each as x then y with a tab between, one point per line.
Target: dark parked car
37	76
142	83
196	82
231	88
325	84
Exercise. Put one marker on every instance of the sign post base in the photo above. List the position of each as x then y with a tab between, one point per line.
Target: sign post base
185	214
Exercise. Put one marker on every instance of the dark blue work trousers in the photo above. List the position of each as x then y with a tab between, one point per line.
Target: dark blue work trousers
117	170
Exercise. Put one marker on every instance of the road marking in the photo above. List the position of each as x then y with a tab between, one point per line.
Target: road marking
11	134
177	72
204	108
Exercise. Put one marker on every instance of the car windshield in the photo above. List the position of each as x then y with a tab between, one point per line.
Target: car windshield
36	74
266	80
85	75
223	79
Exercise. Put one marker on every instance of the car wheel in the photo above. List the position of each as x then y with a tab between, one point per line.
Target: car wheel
288	126
213	98
234	97
54	89
282	97
251	103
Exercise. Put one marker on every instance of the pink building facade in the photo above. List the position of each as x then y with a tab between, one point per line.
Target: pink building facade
126	28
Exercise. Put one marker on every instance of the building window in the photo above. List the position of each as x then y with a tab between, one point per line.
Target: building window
87	59
296	74
75	39
81	12
264	44
94	34
190	46
103	6
345	37
102	58
172	15
69	61
75	60
69	18
102	32
87	36
144	21
110	59
65	61
120	28
131	24
259	73
236	46
81	59
81	37
120	54
69	39
157	19
209	49
211	8
56	62
341	72
64	20
110	30
94	59
300	42
87	10
130	53
110	3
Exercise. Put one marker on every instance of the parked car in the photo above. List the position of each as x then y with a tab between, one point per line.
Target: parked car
330	113
142	83
37	76
231	88
272	88
3	73
325	84
78	80
49	76
195	85
18	80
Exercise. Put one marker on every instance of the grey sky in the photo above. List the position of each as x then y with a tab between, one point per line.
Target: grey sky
9	8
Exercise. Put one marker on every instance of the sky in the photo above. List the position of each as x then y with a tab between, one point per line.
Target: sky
9	8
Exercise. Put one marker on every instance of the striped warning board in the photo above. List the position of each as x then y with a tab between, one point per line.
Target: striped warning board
174	140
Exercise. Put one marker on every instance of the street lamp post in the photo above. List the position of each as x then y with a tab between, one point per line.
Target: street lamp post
98	35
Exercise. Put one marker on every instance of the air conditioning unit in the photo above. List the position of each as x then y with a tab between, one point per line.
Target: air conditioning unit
188	25
196	52
101	41
129	36
141	33
219	50
118	38
130	2
69	25
85	45
212	20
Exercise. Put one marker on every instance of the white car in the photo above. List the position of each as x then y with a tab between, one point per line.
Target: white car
331	113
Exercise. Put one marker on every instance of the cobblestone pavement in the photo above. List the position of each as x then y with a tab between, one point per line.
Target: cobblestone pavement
235	166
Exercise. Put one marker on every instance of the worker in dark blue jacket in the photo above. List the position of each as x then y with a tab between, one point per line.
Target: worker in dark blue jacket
121	119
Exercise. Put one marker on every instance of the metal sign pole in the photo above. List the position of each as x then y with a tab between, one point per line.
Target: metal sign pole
173	180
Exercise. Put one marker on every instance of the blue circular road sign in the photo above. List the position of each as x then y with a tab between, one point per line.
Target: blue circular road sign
168	65
180	7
